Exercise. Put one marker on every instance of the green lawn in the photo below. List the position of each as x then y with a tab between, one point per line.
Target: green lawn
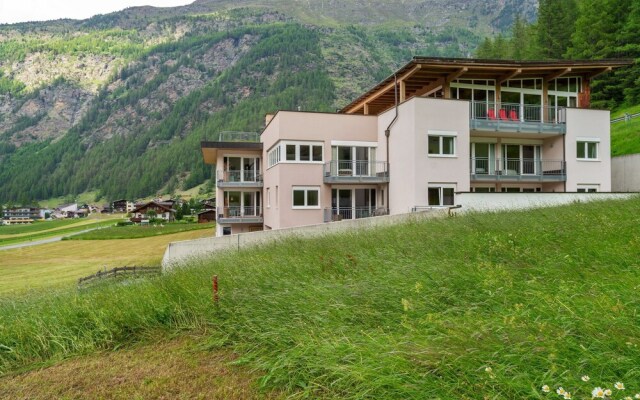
625	135
64	229
137	231
37	226
479	306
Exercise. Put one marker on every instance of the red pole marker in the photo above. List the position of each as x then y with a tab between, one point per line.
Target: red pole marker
214	281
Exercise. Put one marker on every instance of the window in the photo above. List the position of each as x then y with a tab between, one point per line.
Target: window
588	188
306	197
587	150
274	156
291	152
442	145
440	195
483	189
268	197
226	230
317	153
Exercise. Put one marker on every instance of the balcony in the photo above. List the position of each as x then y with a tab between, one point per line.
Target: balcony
240	215
518	170
238	179
344	213
524	118
356	172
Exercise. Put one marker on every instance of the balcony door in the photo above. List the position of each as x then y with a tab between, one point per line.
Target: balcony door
242	204
353	203
241	169
521	159
483	158
353	160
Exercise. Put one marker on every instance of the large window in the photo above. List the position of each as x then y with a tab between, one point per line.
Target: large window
274	156
306	197
587	150
442	144
441	195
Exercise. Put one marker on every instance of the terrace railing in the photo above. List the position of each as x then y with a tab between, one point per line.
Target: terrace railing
342	213
517	117
235	214
483	168
236	136
238	178
356	171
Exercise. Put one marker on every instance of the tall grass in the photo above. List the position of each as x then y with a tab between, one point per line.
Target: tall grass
417	310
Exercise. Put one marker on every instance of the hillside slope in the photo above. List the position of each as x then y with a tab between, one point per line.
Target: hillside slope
477	306
118	103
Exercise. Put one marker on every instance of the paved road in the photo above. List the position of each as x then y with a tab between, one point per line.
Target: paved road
43	241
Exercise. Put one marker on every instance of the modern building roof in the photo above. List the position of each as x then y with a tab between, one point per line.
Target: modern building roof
423	75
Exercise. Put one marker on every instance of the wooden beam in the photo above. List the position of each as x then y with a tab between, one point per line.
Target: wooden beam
455	75
403	91
509	75
557	74
428	89
596	73
381	91
366	109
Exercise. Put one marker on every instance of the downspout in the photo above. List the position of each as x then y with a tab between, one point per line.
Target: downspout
387	133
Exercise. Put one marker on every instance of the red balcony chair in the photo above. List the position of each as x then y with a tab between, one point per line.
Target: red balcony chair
492	114
503	114
513	115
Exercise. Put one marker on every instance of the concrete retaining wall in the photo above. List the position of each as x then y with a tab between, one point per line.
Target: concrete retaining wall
625	173
520	201
181	252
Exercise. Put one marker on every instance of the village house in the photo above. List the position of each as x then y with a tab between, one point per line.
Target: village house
153	209
435	128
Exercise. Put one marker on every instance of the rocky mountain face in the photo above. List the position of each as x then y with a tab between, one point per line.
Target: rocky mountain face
118	103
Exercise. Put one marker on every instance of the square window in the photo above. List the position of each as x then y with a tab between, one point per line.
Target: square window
317	153
434	145
447	196
587	150
298	198
305	153
291	152
312	198
434	196
447	145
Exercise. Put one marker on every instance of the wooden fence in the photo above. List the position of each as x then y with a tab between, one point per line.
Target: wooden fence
120	271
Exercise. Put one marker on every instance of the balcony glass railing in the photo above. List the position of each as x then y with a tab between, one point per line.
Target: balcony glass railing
238	212
357	169
239	176
235	136
343	213
505	168
534	118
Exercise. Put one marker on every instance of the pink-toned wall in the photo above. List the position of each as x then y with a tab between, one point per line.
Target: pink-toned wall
584	123
313	127
412	169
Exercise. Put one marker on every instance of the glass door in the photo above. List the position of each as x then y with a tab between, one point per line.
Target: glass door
528	160
483	158
365	200
362	161
511	159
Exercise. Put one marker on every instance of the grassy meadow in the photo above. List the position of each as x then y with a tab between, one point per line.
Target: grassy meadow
60	264
46	229
625	135
487	306
136	231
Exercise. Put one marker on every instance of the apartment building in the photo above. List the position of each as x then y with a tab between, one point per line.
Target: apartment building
435	128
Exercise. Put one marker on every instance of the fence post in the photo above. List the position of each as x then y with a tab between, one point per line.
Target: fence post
214	282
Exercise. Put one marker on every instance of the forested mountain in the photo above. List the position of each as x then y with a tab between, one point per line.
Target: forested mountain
118	103
580	29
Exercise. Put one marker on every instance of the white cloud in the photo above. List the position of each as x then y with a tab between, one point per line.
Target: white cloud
12	11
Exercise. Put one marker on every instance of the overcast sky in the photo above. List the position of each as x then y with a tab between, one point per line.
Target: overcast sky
12	11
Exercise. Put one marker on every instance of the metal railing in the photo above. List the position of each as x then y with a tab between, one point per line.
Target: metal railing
626	117
357	168
342	213
239	176
513	112
236	136
239	212
517	167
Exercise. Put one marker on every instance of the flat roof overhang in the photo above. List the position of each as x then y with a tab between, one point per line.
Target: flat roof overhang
424	75
210	149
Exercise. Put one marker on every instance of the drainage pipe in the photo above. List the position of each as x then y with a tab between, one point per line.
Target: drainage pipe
387	133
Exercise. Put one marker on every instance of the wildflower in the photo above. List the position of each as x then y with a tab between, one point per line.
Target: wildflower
488	370
637	396
607	392
561	391
585	378
598	392
567	395
628	398
406	305
546	389
619	386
